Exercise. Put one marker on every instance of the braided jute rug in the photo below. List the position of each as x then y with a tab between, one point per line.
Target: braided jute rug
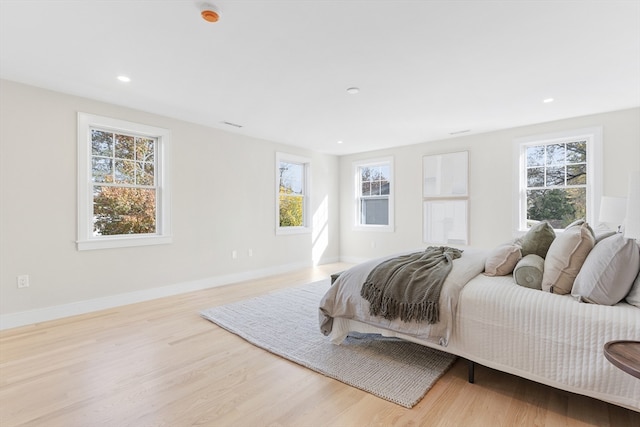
285	323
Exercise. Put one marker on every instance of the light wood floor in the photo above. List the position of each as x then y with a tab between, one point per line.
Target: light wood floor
158	363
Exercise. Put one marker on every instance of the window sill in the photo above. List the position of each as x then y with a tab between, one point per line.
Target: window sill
377	228
284	231
122	242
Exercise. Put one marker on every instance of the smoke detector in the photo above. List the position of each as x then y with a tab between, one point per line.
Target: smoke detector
210	13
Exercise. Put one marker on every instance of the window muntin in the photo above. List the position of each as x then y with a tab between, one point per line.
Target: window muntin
556	183
123	191
292	189
560	177
374	194
291	195
123	177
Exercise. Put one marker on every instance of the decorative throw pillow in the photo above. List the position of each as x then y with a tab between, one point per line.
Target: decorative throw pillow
528	271
537	240
566	255
600	236
501	260
601	232
633	297
578	222
608	272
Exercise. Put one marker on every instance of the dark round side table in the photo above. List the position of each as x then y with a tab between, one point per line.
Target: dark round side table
625	355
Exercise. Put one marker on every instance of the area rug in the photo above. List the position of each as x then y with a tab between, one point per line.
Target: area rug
285	323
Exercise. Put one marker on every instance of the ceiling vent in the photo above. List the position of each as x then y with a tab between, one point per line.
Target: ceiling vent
235	125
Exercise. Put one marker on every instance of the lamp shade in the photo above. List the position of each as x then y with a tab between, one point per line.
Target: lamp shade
632	228
613	209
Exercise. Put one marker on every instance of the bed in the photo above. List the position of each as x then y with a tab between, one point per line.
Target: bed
550	338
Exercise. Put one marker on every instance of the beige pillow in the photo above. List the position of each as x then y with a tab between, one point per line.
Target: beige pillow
528	271
565	257
537	240
608	272
501	260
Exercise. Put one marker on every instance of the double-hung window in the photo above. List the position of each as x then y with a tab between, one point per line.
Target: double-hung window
292	190
559	178
123	192
374	194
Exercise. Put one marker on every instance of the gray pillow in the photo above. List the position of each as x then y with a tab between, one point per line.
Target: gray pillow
528	271
537	240
608	272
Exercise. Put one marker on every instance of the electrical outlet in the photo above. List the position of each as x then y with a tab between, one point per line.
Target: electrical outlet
234	254
23	281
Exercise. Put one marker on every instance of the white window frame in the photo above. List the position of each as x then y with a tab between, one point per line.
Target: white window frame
86	239
593	137
358	226
306	196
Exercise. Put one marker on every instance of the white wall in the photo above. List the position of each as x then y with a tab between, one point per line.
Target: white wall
223	200
491	172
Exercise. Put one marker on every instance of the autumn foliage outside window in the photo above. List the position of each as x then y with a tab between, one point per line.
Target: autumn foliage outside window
124	185
291	194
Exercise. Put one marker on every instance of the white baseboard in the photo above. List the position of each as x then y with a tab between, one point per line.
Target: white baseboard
13	320
328	261
354	260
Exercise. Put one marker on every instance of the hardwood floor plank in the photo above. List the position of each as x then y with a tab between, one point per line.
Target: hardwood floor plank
158	363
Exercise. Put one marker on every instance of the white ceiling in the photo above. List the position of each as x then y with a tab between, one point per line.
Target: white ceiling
280	69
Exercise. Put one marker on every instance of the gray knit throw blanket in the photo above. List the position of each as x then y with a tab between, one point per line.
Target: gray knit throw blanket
409	286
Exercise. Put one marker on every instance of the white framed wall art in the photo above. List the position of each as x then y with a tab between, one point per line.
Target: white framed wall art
445	193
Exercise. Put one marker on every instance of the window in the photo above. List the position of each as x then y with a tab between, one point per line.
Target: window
123	193
292	189
559	178
374	194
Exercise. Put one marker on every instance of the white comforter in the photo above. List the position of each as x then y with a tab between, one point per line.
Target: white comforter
549	338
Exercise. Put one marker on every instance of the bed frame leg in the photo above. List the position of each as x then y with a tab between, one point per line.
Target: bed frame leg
471	366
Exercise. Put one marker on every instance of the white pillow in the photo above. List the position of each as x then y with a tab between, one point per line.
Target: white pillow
633	297
601	232
608	272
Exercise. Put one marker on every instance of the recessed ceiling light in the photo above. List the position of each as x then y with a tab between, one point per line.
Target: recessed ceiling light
353	90
339	142
124	79
548	100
